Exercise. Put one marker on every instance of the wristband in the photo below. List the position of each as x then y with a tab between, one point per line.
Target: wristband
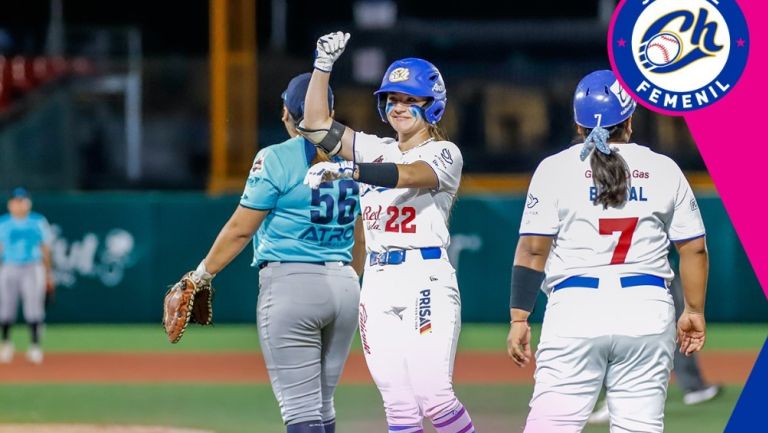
526	283
383	174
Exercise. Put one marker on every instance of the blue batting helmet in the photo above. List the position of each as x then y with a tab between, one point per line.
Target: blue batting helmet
415	77
601	101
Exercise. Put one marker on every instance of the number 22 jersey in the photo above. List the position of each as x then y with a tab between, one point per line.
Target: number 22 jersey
407	218
592	241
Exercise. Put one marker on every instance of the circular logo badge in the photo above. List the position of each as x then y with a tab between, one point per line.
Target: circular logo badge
676	56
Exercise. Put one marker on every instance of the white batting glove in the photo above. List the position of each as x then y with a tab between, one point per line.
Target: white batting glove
325	171
329	49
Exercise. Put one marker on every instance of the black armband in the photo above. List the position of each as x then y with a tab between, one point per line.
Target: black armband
332	141
327	139
380	174
526	283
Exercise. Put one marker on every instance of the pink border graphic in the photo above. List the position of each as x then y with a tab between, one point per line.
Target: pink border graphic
730	135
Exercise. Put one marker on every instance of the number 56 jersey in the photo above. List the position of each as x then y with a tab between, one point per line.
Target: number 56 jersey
408	218
592	241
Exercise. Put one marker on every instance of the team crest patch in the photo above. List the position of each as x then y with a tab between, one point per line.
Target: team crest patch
258	165
677	56
399	74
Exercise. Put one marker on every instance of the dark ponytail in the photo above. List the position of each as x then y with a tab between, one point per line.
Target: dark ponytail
610	173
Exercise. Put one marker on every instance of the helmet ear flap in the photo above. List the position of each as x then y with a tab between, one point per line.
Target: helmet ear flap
434	111
382	106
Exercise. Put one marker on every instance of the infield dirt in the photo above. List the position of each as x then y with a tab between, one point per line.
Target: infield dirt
727	367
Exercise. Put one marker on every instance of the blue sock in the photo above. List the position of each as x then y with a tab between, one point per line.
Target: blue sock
330	426
305	427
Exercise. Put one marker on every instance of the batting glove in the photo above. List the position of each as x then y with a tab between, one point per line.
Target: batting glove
201	274
325	171
329	49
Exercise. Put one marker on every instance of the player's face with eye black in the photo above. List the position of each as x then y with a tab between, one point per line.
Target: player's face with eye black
404	112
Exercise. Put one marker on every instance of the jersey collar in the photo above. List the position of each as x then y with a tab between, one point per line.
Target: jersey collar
428	140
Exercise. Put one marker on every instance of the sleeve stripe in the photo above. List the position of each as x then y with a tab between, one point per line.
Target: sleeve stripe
539	234
255	208
688	239
354	153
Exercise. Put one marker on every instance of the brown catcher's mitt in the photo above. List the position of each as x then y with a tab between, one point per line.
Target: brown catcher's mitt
188	300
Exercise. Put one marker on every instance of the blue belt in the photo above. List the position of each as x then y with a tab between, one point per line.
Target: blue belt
395	257
630	281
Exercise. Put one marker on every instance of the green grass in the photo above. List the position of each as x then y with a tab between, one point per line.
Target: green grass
252	408
143	338
150	338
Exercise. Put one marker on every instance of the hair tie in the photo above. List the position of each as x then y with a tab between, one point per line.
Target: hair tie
598	138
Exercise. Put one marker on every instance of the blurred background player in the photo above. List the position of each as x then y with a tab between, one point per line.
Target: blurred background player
686	370
25	272
410	308
610	316
308	290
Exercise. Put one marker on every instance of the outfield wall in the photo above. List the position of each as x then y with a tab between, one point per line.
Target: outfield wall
116	253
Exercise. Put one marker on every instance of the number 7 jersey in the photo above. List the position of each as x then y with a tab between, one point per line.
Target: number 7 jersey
408	217
592	241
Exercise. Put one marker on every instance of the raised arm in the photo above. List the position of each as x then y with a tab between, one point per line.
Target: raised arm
318	126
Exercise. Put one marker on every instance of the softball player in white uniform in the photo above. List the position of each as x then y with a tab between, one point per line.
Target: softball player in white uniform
601	216
409	306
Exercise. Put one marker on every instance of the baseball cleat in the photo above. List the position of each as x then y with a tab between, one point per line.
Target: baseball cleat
702	395
6	353
35	354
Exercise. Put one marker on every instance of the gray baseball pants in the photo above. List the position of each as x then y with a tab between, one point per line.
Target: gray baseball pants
307	316
28	282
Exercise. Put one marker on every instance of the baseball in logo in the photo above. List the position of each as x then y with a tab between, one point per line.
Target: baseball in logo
678	55
661	50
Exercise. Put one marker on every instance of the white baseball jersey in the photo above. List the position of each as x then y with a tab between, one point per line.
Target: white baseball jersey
408	217
592	241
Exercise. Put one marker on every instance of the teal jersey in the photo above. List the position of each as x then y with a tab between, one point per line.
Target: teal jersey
303	225
21	239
